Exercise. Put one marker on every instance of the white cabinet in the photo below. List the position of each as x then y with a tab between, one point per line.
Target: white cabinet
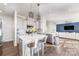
61	34
77	36
71	35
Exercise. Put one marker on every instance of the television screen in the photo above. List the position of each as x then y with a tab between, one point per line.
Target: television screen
71	27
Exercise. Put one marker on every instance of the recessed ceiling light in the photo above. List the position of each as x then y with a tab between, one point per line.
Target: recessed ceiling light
0	11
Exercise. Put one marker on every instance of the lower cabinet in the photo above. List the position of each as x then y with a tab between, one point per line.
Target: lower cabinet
77	36
71	35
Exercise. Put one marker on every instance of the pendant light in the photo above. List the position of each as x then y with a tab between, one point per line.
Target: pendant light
31	14
38	16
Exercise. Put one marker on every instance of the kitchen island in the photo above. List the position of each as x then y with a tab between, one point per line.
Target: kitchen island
27	39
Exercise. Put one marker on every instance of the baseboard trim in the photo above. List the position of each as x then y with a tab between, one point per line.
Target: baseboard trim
68	38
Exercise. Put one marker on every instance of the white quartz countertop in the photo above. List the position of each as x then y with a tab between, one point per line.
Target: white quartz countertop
31	38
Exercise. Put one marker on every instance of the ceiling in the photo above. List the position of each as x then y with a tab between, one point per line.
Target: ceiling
21	8
50	11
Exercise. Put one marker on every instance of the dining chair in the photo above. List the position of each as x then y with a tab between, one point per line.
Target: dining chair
31	46
43	41
34	48
37	47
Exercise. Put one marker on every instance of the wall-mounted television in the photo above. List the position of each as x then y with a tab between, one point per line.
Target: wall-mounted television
70	27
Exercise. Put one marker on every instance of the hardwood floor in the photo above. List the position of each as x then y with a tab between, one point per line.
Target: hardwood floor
66	48
9	50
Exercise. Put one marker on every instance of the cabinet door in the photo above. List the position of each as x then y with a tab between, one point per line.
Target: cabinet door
73	35
61	34
70	35
77	36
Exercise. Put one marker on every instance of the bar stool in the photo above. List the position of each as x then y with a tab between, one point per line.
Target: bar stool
37	46
31	46
43	41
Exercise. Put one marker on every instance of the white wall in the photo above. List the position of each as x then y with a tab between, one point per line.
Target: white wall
43	25
21	23
7	27
51	27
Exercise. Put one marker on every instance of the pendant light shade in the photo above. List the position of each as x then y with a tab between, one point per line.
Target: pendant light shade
38	16
38	4
31	14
